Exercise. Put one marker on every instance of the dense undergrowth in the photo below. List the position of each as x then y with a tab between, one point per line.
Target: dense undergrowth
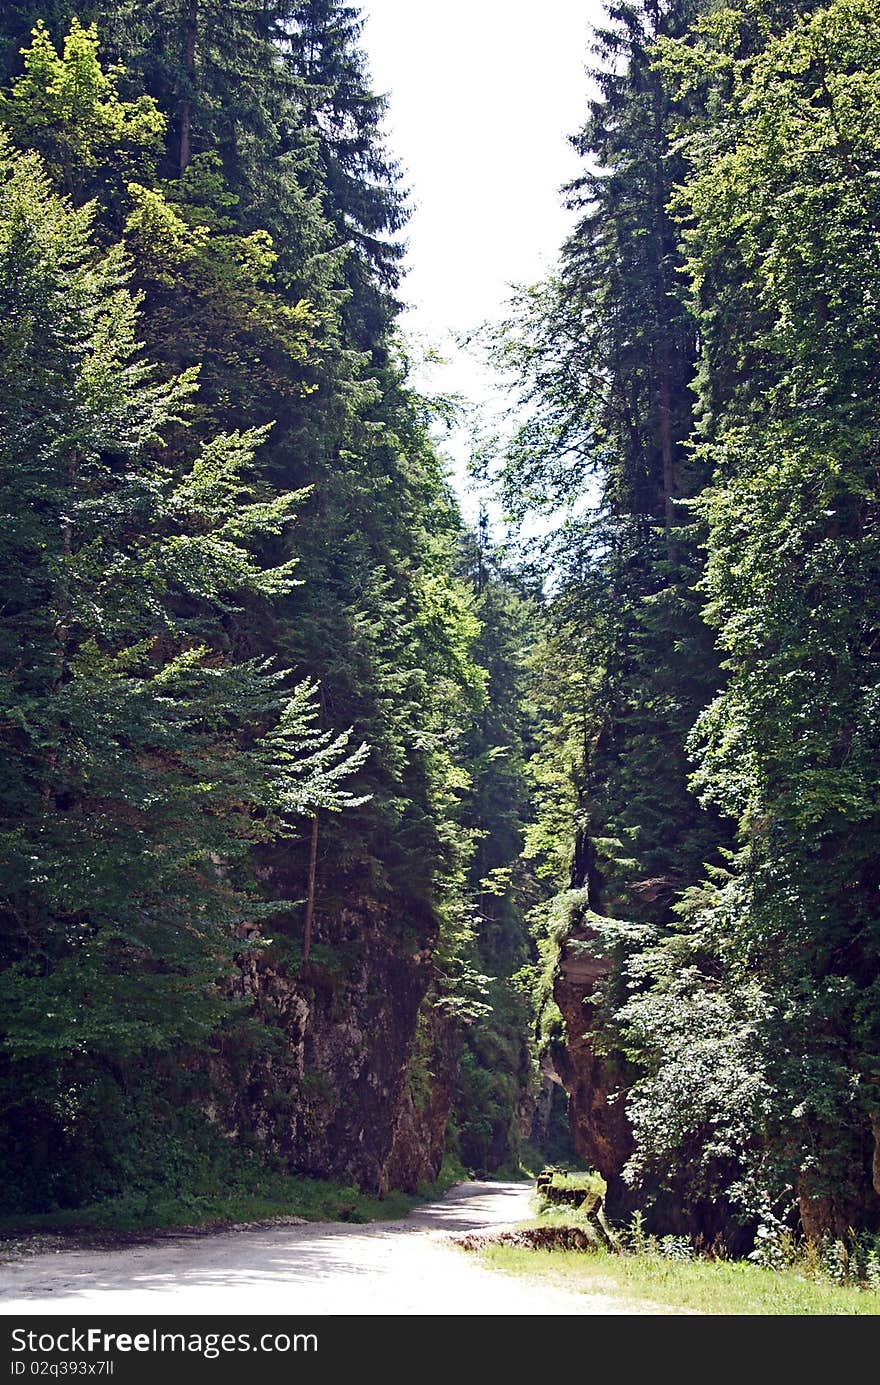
245	1192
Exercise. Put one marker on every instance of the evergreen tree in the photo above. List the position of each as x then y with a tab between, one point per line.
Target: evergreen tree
731	1003
495	1094
19	18
606	352
142	760
359	182
244	274
782	959
67	107
228	296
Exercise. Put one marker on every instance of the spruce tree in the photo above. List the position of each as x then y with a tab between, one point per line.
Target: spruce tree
359	181
779	216
142	761
605	353
496	1083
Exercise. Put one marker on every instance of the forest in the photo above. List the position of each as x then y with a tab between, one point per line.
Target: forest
339	839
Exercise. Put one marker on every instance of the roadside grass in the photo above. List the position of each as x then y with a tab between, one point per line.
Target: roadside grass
269	1197
719	1287
573	1181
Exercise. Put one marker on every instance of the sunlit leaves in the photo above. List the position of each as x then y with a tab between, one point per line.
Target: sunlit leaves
68	107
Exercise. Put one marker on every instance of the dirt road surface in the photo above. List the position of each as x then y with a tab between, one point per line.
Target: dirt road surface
394	1268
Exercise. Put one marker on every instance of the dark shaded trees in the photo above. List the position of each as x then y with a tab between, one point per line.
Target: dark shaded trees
607	352
141	760
359	182
240	266
780	222
497	1078
717	968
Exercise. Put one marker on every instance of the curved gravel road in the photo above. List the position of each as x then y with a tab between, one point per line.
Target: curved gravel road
394	1268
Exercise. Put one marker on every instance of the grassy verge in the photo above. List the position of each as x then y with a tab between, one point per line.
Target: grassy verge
271	1196
711	1287
575	1182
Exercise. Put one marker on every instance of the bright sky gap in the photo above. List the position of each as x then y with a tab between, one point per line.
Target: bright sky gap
484	169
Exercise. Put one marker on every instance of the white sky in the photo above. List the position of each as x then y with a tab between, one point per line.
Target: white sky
482	96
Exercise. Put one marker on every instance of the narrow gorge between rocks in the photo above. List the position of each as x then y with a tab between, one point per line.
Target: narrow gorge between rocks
402	794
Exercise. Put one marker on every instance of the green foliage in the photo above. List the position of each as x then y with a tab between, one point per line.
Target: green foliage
701	384
625	664
217	1189
783	950
656	1281
578	1182
603	355
359	182
496	1080
676	739
176	659
68	107
141	760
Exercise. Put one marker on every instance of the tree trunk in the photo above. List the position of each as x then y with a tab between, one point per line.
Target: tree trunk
667	446
189	68
310	896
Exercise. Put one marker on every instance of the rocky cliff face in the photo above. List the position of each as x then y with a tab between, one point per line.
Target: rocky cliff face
336	1081
423	1113
835	1211
599	1129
